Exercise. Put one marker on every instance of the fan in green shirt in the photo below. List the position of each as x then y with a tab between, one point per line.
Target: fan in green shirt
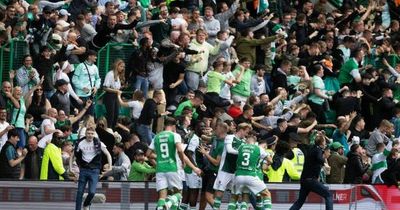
243	75
215	80
140	170
193	103
350	70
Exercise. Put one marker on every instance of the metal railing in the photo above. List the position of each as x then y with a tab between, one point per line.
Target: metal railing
11	57
111	52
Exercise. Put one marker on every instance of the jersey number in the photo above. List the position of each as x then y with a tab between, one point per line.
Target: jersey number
246	159
164	150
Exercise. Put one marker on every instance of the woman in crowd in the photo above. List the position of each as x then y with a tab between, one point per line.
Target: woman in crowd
113	82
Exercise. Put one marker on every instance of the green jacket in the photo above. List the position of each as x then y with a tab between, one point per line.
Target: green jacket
246	47
139	171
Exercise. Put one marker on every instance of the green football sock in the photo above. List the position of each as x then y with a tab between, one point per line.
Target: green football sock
267	204
232	205
259	203
174	201
160	204
243	206
183	206
217	203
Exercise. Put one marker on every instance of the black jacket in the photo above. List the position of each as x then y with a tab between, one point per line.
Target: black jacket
313	162
28	163
355	169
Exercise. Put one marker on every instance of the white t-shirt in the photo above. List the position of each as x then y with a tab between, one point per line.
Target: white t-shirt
3	138
110	82
136	108
46	122
178	21
45	140
88	150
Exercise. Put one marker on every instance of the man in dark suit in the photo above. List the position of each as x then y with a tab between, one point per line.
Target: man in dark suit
309	181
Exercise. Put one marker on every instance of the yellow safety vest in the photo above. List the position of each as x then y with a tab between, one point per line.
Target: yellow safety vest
298	160
277	175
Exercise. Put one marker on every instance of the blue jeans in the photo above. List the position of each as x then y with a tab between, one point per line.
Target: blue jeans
142	83
22	137
192	80
145	133
313	185
90	176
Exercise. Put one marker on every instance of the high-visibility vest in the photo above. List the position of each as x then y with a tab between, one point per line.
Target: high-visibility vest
298	160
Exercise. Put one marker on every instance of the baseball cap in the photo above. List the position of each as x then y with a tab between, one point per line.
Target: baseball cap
139	152
336	145
64	12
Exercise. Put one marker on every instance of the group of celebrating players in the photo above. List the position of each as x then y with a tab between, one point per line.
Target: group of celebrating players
234	162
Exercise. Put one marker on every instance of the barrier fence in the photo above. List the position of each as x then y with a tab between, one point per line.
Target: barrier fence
11	57
35	195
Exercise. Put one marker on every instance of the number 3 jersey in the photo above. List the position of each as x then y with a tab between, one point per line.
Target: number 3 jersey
229	157
248	161
164	145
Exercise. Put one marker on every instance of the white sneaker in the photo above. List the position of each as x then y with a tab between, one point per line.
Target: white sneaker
86	208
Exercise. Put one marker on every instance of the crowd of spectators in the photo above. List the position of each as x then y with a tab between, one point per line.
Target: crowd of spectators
297	71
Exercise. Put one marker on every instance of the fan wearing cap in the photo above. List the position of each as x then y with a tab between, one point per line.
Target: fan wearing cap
337	161
52	163
140	169
65	68
62	21
60	99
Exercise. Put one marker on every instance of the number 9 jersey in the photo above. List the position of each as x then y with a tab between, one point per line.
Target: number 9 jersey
164	145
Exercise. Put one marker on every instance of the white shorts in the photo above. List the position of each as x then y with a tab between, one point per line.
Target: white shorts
168	180
224	181
193	181
244	184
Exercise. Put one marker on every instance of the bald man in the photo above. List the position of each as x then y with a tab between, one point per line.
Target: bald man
48	126
33	160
